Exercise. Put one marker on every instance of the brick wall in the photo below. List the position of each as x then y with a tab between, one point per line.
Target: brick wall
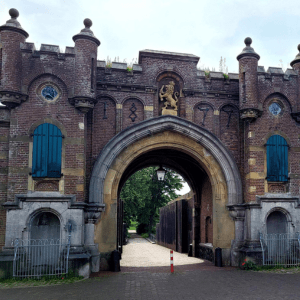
11	60
133	112
26	117
4	132
127	98
206	216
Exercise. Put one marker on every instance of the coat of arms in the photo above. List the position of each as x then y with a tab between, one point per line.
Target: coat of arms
166	94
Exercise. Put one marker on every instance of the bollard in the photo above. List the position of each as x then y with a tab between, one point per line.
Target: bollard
190	253
218	257
171	261
115	261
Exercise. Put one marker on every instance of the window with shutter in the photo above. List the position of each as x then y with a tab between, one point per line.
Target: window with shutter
277	159
46	156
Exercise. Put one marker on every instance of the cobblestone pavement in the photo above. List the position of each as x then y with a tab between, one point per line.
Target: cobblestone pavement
190	281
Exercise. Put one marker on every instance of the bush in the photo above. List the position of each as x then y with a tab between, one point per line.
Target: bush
249	265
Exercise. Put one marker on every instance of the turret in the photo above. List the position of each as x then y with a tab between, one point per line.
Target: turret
295	64
86	45
12	35
248	62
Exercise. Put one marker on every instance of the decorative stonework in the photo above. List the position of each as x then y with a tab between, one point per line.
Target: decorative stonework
275	109
170	97
93	212
84	104
49	92
133	115
249	114
277	187
46	185
12	99
237	212
205	110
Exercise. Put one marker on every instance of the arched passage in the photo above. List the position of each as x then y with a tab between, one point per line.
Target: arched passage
165	133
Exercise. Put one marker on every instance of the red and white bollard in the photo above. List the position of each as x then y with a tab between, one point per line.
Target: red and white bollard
171	261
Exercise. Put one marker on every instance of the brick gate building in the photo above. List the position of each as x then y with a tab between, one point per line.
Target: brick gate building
73	129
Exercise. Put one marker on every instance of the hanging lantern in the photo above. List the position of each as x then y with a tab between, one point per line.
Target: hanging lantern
161	173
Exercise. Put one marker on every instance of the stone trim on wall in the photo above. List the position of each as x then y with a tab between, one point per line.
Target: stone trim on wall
160	124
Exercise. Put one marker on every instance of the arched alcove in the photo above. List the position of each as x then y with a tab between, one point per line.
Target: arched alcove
45	225
208	230
277	222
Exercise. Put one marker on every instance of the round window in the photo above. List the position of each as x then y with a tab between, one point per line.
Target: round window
49	92
275	109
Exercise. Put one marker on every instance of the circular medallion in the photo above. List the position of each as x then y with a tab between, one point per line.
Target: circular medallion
275	109
49	92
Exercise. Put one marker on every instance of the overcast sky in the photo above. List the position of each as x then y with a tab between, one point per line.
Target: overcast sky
206	28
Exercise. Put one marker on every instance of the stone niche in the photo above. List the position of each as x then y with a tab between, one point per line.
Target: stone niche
169	92
260	214
44	215
45	225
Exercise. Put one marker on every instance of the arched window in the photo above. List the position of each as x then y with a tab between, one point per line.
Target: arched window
46	154
277	159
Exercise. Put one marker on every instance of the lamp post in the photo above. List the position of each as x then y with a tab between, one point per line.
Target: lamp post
160	173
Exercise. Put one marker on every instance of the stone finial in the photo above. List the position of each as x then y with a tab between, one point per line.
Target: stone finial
87	23
248	41
14	13
87	32
248	50
12	24
297	58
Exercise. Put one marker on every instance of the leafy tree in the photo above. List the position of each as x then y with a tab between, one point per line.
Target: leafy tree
143	195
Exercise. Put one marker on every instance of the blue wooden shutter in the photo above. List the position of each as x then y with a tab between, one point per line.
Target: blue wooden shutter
40	151
54	153
46	155
277	159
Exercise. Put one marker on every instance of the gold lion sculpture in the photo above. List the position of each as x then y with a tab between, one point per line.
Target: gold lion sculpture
168	95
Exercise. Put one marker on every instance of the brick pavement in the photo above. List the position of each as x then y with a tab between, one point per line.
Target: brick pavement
208	283
190	281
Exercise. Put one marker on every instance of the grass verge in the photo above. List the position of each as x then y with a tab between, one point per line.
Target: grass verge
43	281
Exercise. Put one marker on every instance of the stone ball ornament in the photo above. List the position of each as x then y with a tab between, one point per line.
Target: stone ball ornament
14	13
248	41
87	23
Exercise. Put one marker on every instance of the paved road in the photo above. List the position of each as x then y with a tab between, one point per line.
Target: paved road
141	253
197	281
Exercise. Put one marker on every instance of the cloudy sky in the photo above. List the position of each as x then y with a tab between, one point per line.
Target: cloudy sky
206	28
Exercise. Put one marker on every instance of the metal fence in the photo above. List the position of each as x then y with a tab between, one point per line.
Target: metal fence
280	249
41	257
37	258
152	237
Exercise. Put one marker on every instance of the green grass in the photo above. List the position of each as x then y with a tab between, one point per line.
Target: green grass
144	235
279	269
45	280
133	225
282	269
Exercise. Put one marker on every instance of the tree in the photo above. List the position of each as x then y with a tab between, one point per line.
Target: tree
143	195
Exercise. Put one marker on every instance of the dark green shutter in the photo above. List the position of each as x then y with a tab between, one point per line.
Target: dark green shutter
46	155
277	159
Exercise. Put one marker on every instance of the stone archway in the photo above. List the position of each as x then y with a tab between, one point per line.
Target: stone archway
166	132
